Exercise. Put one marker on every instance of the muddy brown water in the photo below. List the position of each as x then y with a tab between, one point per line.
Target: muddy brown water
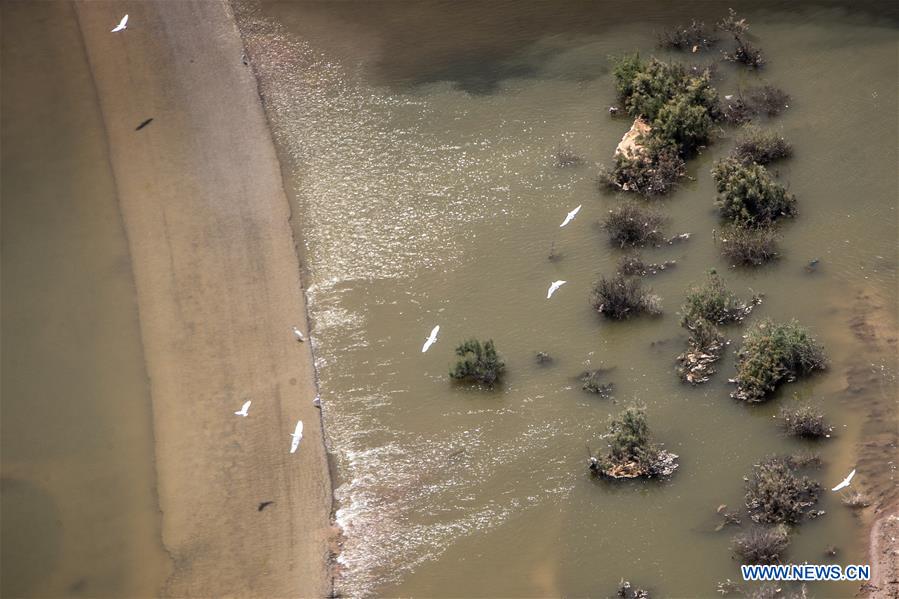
79	513
418	144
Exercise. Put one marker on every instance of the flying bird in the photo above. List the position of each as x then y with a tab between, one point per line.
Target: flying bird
298	334
144	124
432	338
297	435
264	504
552	288
845	482
122	26
244	409
570	216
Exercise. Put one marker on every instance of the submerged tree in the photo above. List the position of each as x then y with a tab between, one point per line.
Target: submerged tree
693	37
761	146
714	302
631	451
774	353
776	494
478	363
748	247
762	544
805	421
631	225
745	52
622	297
675	108
706	307
749	196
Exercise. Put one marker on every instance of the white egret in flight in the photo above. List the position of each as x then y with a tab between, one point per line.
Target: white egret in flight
432	338
552	288
570	216
244	409
122	26
845	482
297	434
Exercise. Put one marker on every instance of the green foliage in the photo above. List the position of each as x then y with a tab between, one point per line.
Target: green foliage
629	437
712	302
762	544
631	225
621	297
760	146
748	196
625	69
805	421
774	353
748	247
478	363
651	172
684	123
775	494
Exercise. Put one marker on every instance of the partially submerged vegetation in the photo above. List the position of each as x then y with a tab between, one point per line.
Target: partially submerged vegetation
762	544
632	225
748	247
478	363
622	297
714	302
806	421
631	451
761	146
706	307
748	196
776	494
632	265
592	382
775	353
653	171
677	108
693	37
744	53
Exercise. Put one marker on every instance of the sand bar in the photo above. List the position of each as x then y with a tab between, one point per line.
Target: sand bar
218	289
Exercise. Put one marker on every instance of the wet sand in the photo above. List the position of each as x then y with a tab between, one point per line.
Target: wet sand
218	291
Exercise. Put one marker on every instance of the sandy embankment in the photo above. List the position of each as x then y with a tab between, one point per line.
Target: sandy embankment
218	290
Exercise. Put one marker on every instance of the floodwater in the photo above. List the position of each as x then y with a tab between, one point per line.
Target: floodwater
418	144
79	511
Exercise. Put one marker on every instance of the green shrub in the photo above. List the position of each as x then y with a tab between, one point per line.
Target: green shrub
762	544
624	70
621	297
748	247
775	494
760	146
478	363
774	353
652	172
805	421
631	225
631	452
713	302
684	123
748	196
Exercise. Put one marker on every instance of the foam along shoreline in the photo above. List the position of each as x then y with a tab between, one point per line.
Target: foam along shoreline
218	292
